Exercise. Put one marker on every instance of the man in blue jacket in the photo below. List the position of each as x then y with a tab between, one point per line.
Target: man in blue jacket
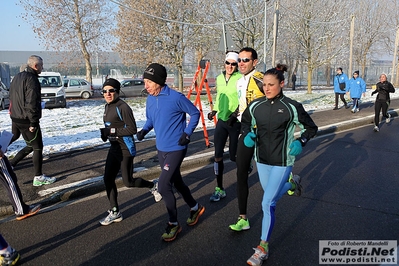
166	111
340	86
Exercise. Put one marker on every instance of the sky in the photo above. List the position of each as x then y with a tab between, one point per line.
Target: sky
16	33
77	127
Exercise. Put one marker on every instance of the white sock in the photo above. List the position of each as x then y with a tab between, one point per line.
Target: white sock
195	208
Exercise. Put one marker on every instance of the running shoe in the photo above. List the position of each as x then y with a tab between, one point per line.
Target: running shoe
171	232
113	217
376	129
259	256
43	180
240	225
154	191
296	179
195	215
32	211
10	258
218	194
388	119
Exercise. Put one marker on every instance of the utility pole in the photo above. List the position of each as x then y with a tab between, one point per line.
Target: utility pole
264	40
275	30
351	36
395	60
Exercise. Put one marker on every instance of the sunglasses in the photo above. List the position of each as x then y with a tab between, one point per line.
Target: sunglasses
110	91
244	60
228	63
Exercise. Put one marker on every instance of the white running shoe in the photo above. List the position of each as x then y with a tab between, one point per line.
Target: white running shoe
113	217
258	257
376	129
388	119
43	180
154	191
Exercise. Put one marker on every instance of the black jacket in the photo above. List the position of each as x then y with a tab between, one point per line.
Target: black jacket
25	98
274	122
119	115
383	90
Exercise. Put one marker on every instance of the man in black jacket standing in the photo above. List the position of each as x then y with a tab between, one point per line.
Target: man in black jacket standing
25	112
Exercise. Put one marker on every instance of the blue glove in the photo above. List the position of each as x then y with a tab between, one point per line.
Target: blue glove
250	139
295	148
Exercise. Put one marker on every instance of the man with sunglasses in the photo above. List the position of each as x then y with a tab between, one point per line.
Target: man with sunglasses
227	125
249	88
120	126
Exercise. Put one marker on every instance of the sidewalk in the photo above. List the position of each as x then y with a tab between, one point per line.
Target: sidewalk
79	173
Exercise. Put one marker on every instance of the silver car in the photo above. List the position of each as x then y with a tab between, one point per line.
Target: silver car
4	96
133	87
78	88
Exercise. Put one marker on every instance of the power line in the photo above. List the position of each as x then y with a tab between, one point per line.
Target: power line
186	23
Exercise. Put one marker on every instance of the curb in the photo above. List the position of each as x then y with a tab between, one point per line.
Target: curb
191	162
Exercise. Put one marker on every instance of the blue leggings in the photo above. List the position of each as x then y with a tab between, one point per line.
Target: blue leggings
170	176
274	181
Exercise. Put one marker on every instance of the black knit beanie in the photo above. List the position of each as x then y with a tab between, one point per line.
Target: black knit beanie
156	73
356	72
113	83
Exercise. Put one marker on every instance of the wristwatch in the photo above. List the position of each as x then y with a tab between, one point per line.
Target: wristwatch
303	141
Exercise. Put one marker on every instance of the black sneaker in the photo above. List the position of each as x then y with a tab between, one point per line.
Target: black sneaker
171	232
335	108
195	215
32	211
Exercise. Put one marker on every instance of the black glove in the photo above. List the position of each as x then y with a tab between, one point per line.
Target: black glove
232	119
105	131
141	134
211	115
184	139
374	92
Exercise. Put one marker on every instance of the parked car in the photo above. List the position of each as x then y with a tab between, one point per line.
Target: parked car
133	87
78	88
4	97
53	93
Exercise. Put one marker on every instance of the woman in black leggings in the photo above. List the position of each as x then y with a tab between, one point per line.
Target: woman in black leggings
383	88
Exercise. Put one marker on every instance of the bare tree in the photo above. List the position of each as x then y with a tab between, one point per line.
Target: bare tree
315	30
71	26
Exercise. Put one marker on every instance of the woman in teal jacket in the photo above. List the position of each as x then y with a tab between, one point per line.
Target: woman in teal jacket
356	88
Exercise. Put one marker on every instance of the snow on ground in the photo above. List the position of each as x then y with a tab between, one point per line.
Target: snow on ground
77	127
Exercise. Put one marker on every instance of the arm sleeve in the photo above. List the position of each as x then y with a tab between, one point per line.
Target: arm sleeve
188	107
32	97
246	120
130	123
310	128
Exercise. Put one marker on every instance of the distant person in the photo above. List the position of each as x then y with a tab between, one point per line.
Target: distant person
293	79
8	255
382	101
9	180
120	126
276	147
166	111
356	88
226	109
25	112
340	84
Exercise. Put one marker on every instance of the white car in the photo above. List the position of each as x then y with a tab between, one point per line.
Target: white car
4	97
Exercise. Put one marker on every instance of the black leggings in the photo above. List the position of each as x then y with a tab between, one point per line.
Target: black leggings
244	158
34	142
170	163
118	160
223	131
377	108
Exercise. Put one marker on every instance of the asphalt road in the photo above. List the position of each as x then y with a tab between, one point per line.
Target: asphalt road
350	193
